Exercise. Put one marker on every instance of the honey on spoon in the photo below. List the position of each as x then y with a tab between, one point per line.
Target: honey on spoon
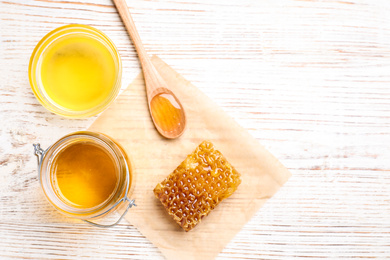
165	109
166	104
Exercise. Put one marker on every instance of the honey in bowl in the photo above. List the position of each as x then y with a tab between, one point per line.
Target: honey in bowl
84	175
78	72
75	71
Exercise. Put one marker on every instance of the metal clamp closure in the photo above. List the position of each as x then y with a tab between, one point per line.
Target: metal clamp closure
40	153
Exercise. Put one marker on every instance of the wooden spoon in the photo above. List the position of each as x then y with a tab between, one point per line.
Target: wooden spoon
165	109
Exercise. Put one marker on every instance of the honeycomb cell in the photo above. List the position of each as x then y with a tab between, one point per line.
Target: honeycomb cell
197	185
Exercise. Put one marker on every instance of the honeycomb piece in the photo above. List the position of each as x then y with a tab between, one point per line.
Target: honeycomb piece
197	185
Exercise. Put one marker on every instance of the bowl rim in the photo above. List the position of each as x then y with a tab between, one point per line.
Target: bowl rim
34	66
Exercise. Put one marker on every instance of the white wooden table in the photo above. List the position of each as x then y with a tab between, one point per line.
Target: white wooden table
309	79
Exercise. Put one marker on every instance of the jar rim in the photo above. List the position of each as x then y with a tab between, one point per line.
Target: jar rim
36	60
122	185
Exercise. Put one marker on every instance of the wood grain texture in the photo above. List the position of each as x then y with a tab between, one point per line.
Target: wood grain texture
309	79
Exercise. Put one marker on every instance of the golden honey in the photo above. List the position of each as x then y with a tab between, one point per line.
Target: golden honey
197	185
78	72
75	71
84	175
166	112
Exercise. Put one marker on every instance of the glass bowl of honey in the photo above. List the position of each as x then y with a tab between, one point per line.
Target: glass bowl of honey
85	175
75	71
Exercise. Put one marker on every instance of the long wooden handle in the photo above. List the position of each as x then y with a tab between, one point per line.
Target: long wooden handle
152	78
124	13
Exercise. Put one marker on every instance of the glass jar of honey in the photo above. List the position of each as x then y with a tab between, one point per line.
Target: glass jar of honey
85	175
75	71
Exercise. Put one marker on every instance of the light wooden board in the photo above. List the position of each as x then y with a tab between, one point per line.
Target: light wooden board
309	79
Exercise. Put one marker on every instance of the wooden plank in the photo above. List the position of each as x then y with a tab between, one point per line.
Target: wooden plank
309	79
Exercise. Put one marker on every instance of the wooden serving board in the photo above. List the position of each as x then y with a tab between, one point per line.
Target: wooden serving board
154	157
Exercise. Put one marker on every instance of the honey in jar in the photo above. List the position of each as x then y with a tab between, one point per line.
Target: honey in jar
85	175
